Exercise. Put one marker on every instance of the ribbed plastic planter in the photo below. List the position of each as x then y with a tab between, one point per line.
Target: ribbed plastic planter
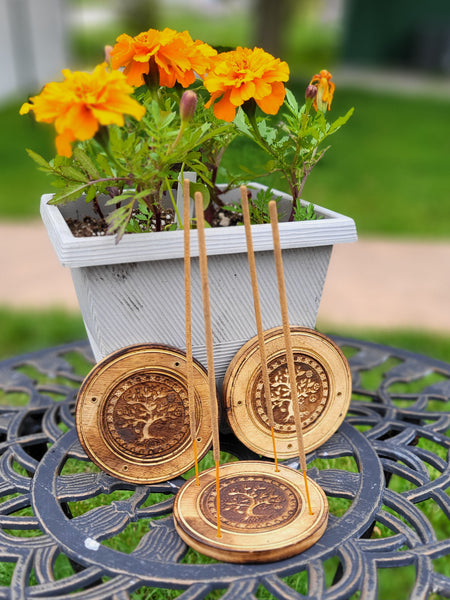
133	292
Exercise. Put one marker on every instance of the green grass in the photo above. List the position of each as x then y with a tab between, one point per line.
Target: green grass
24	331
22	183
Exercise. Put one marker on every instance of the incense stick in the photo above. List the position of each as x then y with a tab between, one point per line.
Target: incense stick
188	320
287	341
258	318
209	345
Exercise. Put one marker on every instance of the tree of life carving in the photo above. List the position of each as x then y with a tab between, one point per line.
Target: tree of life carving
312	392
255	502
147	414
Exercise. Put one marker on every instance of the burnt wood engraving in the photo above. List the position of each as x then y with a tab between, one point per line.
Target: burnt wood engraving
312	391
264	512
133	414
253	502
147	414
323	384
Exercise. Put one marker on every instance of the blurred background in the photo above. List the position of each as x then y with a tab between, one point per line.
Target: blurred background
388	168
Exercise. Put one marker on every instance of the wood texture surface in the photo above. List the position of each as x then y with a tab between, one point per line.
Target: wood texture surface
323	388
132	414
264	513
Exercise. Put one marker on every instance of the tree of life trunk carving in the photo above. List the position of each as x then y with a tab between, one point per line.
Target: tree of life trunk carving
247	500
149	406
281	393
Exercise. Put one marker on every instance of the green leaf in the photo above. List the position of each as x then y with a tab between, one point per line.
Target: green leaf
60	161
91	193
268	133
73	174
71	192
291	101
39	160
241	123
340	121
86	163
118	220
104	165
124	197
200	187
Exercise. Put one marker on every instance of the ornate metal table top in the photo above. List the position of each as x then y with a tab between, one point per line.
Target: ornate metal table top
67	527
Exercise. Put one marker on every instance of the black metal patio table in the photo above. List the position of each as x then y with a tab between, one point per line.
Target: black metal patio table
386	474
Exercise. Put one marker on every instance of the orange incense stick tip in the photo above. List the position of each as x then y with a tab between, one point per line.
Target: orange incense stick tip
274	449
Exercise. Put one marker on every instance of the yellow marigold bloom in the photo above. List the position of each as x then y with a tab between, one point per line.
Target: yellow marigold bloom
82	102
242	74
175	56
325	90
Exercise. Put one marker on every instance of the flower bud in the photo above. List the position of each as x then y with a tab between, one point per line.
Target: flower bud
188	104
310	92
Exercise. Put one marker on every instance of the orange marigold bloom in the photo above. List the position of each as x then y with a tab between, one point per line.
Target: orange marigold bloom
325	90
82	102
175	56
242	74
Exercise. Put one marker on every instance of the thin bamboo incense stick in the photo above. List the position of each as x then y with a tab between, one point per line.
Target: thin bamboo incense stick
258	318
188	319
287	341
209	345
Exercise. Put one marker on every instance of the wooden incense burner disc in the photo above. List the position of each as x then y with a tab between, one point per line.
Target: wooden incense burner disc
132	414
324	390
264	513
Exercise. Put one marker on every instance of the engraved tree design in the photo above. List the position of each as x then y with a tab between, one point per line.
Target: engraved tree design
253	501
152	411
307	390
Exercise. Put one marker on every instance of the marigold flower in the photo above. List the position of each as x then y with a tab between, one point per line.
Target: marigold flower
173	55
82	102
242	74
325	90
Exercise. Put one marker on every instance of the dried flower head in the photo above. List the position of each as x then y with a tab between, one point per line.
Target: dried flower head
83	102
243	74
164	57
325	90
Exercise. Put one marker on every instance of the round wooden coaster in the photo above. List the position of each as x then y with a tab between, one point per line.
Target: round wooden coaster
324	390
264	513
132	414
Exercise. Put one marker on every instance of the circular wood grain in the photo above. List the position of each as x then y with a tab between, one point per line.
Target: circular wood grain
323	384
132	414
264	513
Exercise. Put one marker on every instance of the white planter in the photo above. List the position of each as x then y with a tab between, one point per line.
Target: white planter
133	292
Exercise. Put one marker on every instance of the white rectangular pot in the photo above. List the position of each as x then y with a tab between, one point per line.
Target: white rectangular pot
133	292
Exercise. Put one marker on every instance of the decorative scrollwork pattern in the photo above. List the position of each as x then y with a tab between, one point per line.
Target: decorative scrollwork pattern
385	473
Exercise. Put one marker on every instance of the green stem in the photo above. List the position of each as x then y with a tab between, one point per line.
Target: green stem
178	138
174	204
